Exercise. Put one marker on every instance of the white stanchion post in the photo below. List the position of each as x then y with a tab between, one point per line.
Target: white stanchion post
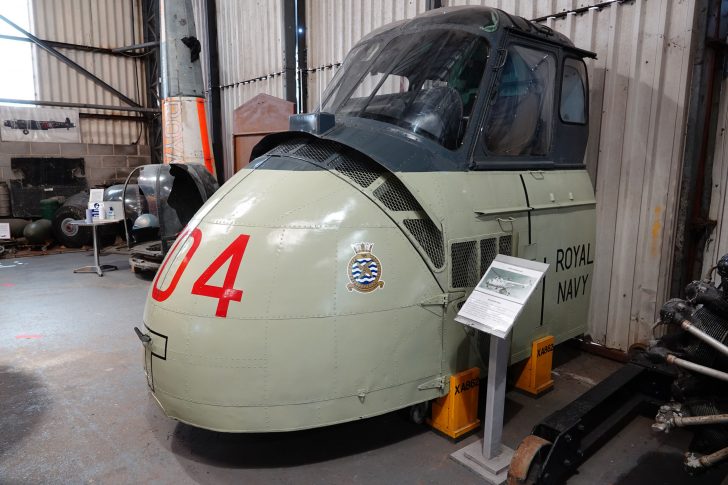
490	458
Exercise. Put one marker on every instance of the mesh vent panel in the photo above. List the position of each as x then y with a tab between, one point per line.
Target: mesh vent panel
487	254
505	245
395	196
464	269
319	150
289	146
361	171
429	237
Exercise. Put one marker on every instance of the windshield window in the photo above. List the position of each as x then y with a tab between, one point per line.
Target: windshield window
426	82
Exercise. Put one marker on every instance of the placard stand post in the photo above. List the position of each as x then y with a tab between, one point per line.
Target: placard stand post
492	308
490	458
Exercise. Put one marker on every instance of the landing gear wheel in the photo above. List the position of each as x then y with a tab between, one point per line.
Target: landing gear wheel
528	460
70	235
418	412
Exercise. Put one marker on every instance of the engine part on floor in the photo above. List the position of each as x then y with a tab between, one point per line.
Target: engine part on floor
701	369
678	379
671	416
36	177
38	232
696	332
695	342
16	226
561	442
169	195
696	462
74	208
146	257
48	207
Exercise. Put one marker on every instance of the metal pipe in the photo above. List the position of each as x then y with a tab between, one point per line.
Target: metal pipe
64	104
102	116
579	10
73	65
290	34
700	420
713	458
213	85
694	462
67	45
700	369
127	48
696	332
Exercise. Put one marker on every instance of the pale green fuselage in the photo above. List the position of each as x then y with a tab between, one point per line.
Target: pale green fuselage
300	349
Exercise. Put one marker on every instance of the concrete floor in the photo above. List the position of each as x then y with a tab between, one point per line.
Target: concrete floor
74	406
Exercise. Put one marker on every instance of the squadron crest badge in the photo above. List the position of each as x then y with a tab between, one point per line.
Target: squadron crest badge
365	270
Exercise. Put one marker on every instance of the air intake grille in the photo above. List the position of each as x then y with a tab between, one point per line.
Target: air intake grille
395	196
289	146
487	253
319	150
464	269
429	237
505	245
362	171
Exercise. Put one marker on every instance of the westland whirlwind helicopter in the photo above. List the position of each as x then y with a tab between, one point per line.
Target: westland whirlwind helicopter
319	285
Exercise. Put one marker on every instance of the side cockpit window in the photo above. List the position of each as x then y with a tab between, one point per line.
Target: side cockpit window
573	92
520	118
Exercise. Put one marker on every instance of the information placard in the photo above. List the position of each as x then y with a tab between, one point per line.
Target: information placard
501	294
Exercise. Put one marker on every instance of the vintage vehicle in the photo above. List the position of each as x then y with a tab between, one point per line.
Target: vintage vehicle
320	284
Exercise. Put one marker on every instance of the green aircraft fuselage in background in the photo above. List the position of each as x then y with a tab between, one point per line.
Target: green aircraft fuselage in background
319	284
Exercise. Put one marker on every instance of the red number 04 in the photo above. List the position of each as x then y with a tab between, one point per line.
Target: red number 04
225	293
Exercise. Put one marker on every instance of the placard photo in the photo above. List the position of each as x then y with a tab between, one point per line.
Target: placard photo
499	297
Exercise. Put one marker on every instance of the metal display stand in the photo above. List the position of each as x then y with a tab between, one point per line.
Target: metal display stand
492	308
489	458
97	267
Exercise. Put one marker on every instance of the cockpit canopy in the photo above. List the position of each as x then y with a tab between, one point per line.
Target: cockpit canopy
444	73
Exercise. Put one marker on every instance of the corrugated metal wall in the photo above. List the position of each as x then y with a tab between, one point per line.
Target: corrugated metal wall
529	9
100	23
334	26
717	244
250	48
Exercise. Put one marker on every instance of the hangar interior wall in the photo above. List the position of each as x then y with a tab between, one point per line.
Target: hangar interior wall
717	244
110	147
639	91
99	23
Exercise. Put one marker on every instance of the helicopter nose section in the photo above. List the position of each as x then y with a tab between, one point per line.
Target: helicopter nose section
289	302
